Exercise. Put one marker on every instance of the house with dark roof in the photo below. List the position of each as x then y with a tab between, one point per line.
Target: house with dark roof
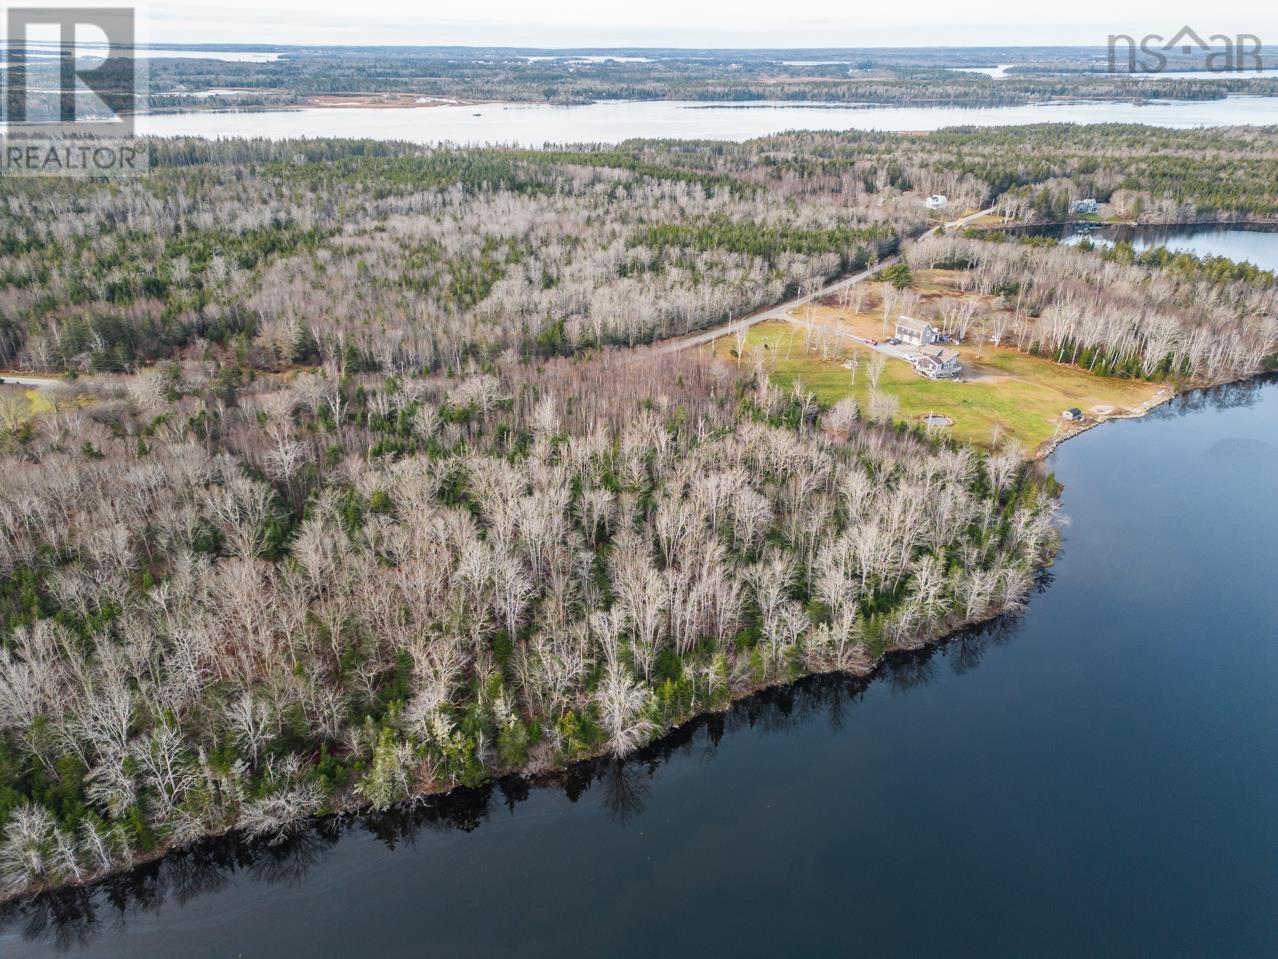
916	332
937	363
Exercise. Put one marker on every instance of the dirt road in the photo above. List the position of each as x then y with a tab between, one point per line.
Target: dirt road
782	310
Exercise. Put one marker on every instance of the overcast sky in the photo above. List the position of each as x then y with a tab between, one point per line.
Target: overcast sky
692	23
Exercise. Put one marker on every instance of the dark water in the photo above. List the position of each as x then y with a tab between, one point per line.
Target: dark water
1257	245
1099	778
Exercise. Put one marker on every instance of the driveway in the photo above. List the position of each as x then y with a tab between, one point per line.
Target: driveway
783	311
901	352
16	379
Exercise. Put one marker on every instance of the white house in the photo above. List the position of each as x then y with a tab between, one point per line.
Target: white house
937	363
916	332
936	201
1086	206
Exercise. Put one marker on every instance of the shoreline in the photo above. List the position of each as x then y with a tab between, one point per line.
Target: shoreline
550	776
384	99
544	774
1045	450
1265	225
543	777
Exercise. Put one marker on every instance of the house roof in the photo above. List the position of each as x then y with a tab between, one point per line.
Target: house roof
918	326
939	353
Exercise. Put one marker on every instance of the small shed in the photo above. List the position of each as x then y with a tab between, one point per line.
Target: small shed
1073	413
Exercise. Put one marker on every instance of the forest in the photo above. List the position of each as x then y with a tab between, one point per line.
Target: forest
419	259
1154	315
391	256
236	600
880	76
362	480
1033	173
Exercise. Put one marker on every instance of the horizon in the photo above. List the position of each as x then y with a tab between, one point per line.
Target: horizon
665	24
260	45
267	46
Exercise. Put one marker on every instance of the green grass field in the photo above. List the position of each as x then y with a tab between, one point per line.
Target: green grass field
1018	396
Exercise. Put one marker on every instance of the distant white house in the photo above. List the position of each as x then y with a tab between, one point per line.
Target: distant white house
916	332
937	363
1073	413
936	201
1086	206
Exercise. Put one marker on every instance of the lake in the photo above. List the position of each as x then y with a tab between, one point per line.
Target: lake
48	50
1258	245
533	125
1099	778
994	73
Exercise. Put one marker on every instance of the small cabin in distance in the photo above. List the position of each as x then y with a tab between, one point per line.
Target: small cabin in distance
1073	413
936	201
937	363
916	332
1086	206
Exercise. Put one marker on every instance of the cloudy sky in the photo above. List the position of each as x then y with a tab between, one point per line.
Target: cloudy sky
691	23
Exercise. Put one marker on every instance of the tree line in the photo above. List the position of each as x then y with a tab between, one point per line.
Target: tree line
231	600
571	77
1155	315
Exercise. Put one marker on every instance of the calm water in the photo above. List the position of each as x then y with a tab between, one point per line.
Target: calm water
1099	778
1245	74
994	73
1257	245
612	122
44	50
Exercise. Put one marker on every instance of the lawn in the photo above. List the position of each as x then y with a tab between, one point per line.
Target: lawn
1011	394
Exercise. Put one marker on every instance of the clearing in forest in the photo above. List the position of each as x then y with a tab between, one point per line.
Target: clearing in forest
1003	392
